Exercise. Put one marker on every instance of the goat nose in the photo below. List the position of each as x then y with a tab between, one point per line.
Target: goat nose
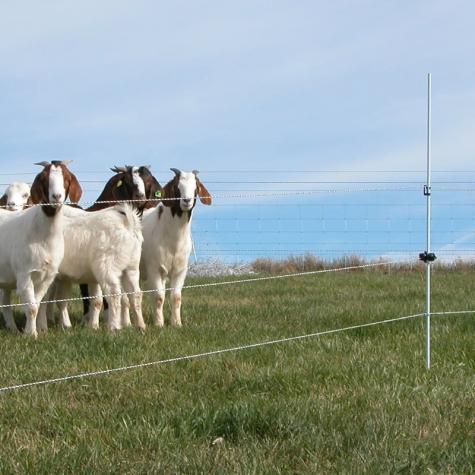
57	196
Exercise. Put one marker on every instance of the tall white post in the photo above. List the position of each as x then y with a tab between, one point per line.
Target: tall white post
427	193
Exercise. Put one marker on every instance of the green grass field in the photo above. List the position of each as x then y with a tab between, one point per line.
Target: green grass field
354	402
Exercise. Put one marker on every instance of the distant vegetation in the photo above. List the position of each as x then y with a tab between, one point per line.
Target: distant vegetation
310	262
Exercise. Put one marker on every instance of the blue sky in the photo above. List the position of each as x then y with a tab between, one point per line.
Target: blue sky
338	88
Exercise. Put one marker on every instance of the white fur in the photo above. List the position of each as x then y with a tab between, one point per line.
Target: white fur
7	215
166	249
187	187
102	248
138	181
17	194
56	185
31	250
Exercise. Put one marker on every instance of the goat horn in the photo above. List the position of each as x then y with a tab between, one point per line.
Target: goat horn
66	162
43	164
195	172
175	171
117	169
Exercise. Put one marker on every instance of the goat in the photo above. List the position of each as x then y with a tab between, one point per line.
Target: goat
32	243
129	183
136	184
16	196
167	240
102	248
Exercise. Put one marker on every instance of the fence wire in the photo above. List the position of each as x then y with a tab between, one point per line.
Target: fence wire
248	195
210	284
201	355
218	352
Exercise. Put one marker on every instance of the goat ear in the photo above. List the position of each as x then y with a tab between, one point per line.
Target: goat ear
203	193
37	192
3	201
29	202
168	192
74	190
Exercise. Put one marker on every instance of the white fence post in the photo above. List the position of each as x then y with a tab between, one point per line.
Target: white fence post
428	256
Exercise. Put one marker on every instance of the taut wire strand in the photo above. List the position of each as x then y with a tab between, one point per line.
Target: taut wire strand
202	355
212	284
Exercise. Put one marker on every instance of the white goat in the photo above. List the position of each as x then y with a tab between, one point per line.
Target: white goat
167	240
16	196
32	243
102	248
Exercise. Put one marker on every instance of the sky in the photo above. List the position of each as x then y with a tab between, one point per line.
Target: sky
259	96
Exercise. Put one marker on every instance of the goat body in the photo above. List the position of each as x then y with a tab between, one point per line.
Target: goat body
32	243
6	215
102	248
136	184
165	252
167	241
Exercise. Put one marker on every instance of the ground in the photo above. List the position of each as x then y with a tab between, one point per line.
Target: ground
354	402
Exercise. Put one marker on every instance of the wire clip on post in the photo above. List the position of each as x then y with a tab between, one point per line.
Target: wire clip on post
427	190
427	257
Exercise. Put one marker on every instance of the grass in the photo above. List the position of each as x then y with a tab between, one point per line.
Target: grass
355	402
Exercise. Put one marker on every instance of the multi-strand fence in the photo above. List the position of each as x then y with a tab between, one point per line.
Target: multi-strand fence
274	214
322	214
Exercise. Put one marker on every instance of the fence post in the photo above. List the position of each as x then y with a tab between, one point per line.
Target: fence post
429	257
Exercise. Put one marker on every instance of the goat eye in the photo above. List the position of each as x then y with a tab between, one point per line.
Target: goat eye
25	195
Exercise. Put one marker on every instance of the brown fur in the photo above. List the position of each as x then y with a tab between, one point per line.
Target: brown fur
71	184
203	193
40	188
3	201
151	187
172	195
171	190
125	191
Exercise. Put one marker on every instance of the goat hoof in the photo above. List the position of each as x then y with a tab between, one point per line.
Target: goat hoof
33	335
